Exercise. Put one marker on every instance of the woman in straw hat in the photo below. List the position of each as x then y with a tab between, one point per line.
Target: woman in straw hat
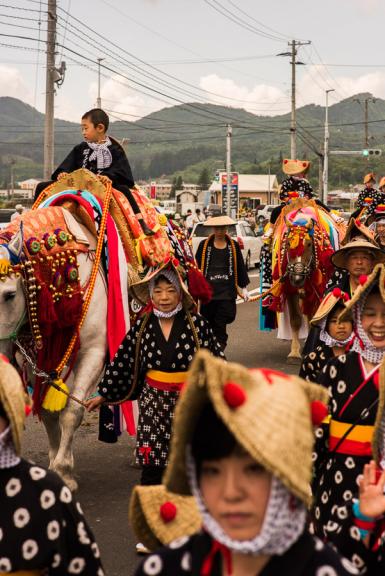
242	446
335	337
367	198
220	259
42	528
344	445
152	362
376	223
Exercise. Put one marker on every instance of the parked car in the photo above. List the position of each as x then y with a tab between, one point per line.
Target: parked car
266	211
249	243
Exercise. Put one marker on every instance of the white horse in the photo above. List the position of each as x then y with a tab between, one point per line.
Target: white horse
86	371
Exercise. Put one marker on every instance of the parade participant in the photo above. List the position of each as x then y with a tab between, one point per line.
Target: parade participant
376	222
179	516
19	210
356	258
335	337
152	362
189	222
220	259
367	197
101	154
343	446
42	528
242	446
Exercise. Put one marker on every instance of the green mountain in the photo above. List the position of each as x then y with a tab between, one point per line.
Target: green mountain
183	140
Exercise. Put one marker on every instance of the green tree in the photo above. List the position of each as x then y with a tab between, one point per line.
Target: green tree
204	179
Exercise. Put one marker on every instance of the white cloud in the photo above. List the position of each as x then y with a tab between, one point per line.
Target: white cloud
261	98
12	84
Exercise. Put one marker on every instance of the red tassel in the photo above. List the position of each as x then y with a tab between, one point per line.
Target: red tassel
69	310
198	286
46	308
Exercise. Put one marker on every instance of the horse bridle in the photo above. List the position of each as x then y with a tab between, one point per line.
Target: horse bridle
298	268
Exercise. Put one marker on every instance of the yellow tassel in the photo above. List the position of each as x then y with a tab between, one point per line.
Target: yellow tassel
54	400
138	250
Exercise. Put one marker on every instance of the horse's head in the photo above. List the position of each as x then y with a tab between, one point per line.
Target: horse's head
12	300
299	248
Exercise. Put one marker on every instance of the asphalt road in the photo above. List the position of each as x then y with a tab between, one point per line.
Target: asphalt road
103	470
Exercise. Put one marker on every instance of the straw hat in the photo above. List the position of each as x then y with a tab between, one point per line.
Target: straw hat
219	221
140	291
381	183
12	398
268	412
377	214
336	296
339	257
357	228
294	167
158	517
369	177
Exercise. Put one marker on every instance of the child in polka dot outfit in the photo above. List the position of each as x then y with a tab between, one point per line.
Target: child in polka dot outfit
42	527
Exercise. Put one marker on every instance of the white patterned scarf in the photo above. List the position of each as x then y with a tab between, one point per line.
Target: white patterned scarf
363	345
101	153
8	456
284	521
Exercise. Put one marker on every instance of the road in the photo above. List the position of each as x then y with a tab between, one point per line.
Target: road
103	470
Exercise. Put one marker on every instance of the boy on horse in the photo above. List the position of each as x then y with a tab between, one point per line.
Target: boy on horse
101	154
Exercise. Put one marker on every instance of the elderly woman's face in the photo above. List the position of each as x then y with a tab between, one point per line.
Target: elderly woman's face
236	492
373	320
165	296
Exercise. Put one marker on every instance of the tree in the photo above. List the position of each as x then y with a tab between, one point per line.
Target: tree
204	179
179	183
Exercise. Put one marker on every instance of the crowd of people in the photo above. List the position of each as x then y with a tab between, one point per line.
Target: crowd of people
243	472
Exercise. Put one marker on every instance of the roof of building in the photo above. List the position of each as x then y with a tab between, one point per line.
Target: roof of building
250	183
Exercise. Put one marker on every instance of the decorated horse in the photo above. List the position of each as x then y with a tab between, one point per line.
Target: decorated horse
304	238
65	267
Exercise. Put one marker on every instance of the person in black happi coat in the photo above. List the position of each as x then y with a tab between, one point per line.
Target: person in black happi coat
335	337
152	362
251	487
220	259
344	444
101	154
42	528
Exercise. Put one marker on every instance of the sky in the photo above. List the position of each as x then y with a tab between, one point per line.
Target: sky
161	53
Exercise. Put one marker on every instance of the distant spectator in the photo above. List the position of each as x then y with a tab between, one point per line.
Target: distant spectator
199	216
19	209
189	222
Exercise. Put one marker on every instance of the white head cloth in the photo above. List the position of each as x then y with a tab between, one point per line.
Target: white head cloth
8	456
172	277
363	345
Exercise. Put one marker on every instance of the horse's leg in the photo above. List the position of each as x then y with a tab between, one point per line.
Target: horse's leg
52	426
87	373
295	323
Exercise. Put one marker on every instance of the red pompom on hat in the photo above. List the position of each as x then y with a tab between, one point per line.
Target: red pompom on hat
319	411
175	261
285	161
362	279
234	395
346	297
337	292
27	409
358	223
168	511
4	358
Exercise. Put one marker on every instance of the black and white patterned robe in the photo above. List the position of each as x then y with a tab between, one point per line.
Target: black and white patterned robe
335	484
156	407
314	362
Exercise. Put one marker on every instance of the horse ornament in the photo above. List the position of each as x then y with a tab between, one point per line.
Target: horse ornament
304	238
65	269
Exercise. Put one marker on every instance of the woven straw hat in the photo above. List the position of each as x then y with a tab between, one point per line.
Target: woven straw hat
369	177
158	517
219	221
12	398
381	183
336	296
356	229
140	291
268	412
294	167
339	257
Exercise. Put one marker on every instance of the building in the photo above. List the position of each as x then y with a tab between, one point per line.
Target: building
253	189
29	184
163	189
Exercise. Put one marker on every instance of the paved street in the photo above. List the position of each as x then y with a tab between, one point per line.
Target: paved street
104	474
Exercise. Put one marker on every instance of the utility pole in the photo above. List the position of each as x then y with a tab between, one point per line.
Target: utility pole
50	91
99	100
366	117
228	167
324	196
294	62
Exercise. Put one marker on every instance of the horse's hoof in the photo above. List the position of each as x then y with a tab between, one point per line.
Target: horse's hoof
71	483
294	360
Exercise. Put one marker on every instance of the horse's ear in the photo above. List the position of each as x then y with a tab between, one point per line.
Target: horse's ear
15	245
